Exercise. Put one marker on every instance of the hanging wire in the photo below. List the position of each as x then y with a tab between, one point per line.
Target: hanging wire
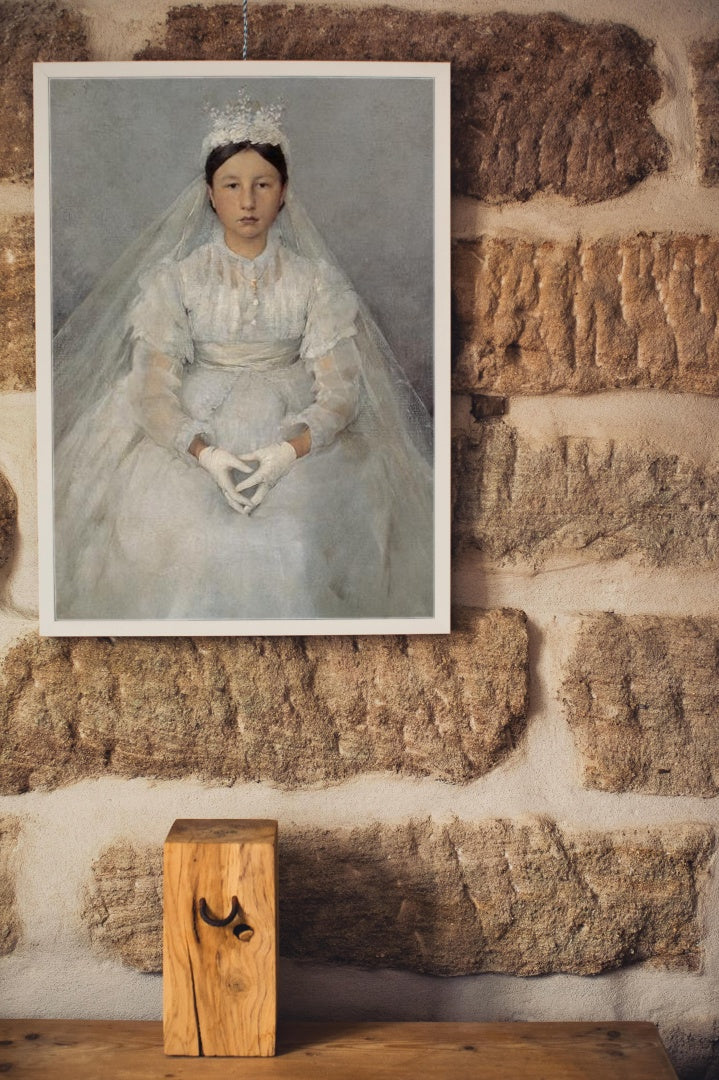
244	29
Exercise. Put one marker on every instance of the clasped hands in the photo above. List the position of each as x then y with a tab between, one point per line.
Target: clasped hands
273	462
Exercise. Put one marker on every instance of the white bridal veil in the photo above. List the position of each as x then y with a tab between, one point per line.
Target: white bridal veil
91	350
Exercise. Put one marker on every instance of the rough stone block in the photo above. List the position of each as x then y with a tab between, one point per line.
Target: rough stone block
705	61
292	711
9	919
518	897
8	521
17	304
540	102
517	501
536	317
642	697
29	33
123	905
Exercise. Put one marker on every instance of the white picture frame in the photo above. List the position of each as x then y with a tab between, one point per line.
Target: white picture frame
101	176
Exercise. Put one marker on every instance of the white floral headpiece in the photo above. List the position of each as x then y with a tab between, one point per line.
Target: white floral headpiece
245	120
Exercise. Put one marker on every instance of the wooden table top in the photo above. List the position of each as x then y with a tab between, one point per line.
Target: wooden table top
120	1050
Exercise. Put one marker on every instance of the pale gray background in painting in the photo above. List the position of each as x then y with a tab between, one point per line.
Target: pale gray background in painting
361	162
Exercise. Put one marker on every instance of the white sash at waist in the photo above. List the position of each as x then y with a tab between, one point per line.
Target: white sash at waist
259	356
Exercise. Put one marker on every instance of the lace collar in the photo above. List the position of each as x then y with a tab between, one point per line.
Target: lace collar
260	262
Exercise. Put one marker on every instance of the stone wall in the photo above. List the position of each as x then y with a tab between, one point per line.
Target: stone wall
533	795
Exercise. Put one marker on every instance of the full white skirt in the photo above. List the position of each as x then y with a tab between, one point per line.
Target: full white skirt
142	533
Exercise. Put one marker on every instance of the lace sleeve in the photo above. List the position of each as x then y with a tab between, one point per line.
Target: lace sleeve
331	313
161	346
331	355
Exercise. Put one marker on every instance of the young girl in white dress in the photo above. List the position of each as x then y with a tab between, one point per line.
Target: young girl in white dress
256	461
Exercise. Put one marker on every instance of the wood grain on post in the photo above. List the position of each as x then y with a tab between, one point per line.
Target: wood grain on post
220	981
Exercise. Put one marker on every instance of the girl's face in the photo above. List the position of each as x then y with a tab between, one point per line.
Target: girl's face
247	192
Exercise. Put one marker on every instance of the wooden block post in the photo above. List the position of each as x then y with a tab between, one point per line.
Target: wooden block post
220	938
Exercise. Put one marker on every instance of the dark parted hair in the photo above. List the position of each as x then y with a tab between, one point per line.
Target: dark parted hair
268	151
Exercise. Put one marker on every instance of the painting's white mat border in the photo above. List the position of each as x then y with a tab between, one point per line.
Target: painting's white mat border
439	73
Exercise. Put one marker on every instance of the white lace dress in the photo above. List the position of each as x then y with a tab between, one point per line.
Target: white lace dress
143	532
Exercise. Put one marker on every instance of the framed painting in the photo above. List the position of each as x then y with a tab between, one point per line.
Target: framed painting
243	348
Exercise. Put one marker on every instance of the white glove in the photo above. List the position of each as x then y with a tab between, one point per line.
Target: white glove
274	462
221	464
